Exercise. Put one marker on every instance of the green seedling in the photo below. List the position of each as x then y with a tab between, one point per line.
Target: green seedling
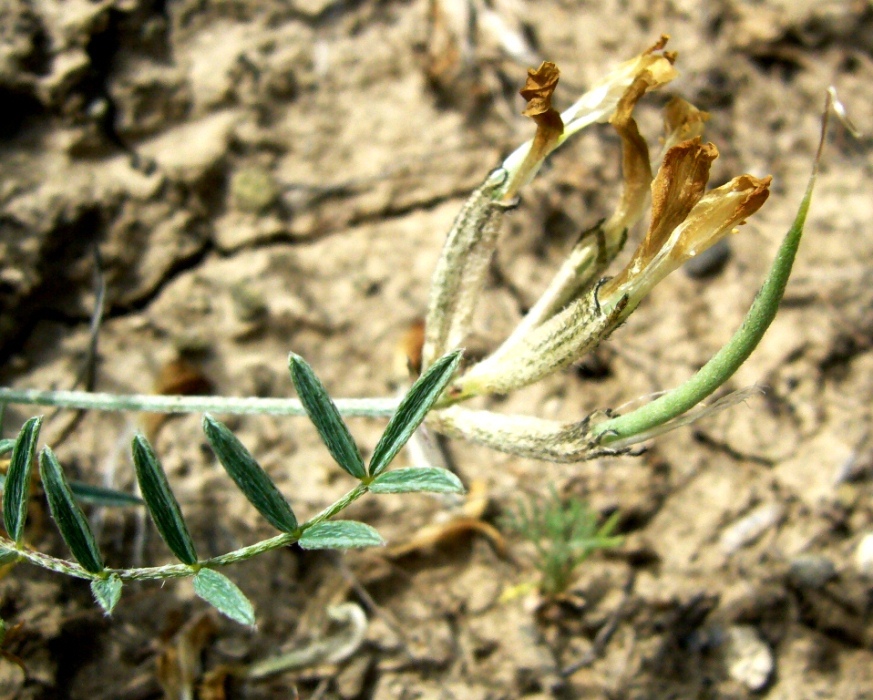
563	532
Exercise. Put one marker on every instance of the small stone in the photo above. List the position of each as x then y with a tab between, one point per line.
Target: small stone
864	556
249	304
811	570
748	658
313	8
253	189
189	151
749	528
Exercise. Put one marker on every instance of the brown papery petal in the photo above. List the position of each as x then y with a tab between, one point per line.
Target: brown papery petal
682	121
635	165
538	90
718	213
677	188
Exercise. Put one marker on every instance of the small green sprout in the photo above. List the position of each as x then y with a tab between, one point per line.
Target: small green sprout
564	532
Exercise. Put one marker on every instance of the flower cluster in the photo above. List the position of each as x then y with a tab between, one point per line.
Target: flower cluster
581	307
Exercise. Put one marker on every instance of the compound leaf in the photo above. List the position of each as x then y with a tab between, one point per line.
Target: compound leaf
417	479
340	534
17	487
161	502
68	515
107	592
223	594
324	414
252	480
412	410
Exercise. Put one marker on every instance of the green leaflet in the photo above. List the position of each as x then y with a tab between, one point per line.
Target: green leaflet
7	556
417	479
161	502
327	420
223	594
100	496
340	534
96	495
17	486
68	515
107	592
412	410
252	480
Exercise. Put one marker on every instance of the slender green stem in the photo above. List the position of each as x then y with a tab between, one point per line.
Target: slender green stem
727	360
371	407
254	550
60	566
183	570
340	505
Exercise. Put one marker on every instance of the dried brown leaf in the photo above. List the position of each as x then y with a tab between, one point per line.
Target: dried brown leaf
440	534
468	520
178	664
411	346
180	377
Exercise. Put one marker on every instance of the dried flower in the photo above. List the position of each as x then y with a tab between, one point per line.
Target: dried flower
685	222
580	309
596	105
538	89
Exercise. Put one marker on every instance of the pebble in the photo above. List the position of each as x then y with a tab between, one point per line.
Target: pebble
811	570
864	556
253	189
748	658
749	528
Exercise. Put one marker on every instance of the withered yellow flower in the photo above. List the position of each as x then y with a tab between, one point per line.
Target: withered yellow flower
580	308
682	121
685	221
538	90
599	104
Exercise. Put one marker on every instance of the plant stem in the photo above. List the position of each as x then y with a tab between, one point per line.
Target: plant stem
183	570
369	407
